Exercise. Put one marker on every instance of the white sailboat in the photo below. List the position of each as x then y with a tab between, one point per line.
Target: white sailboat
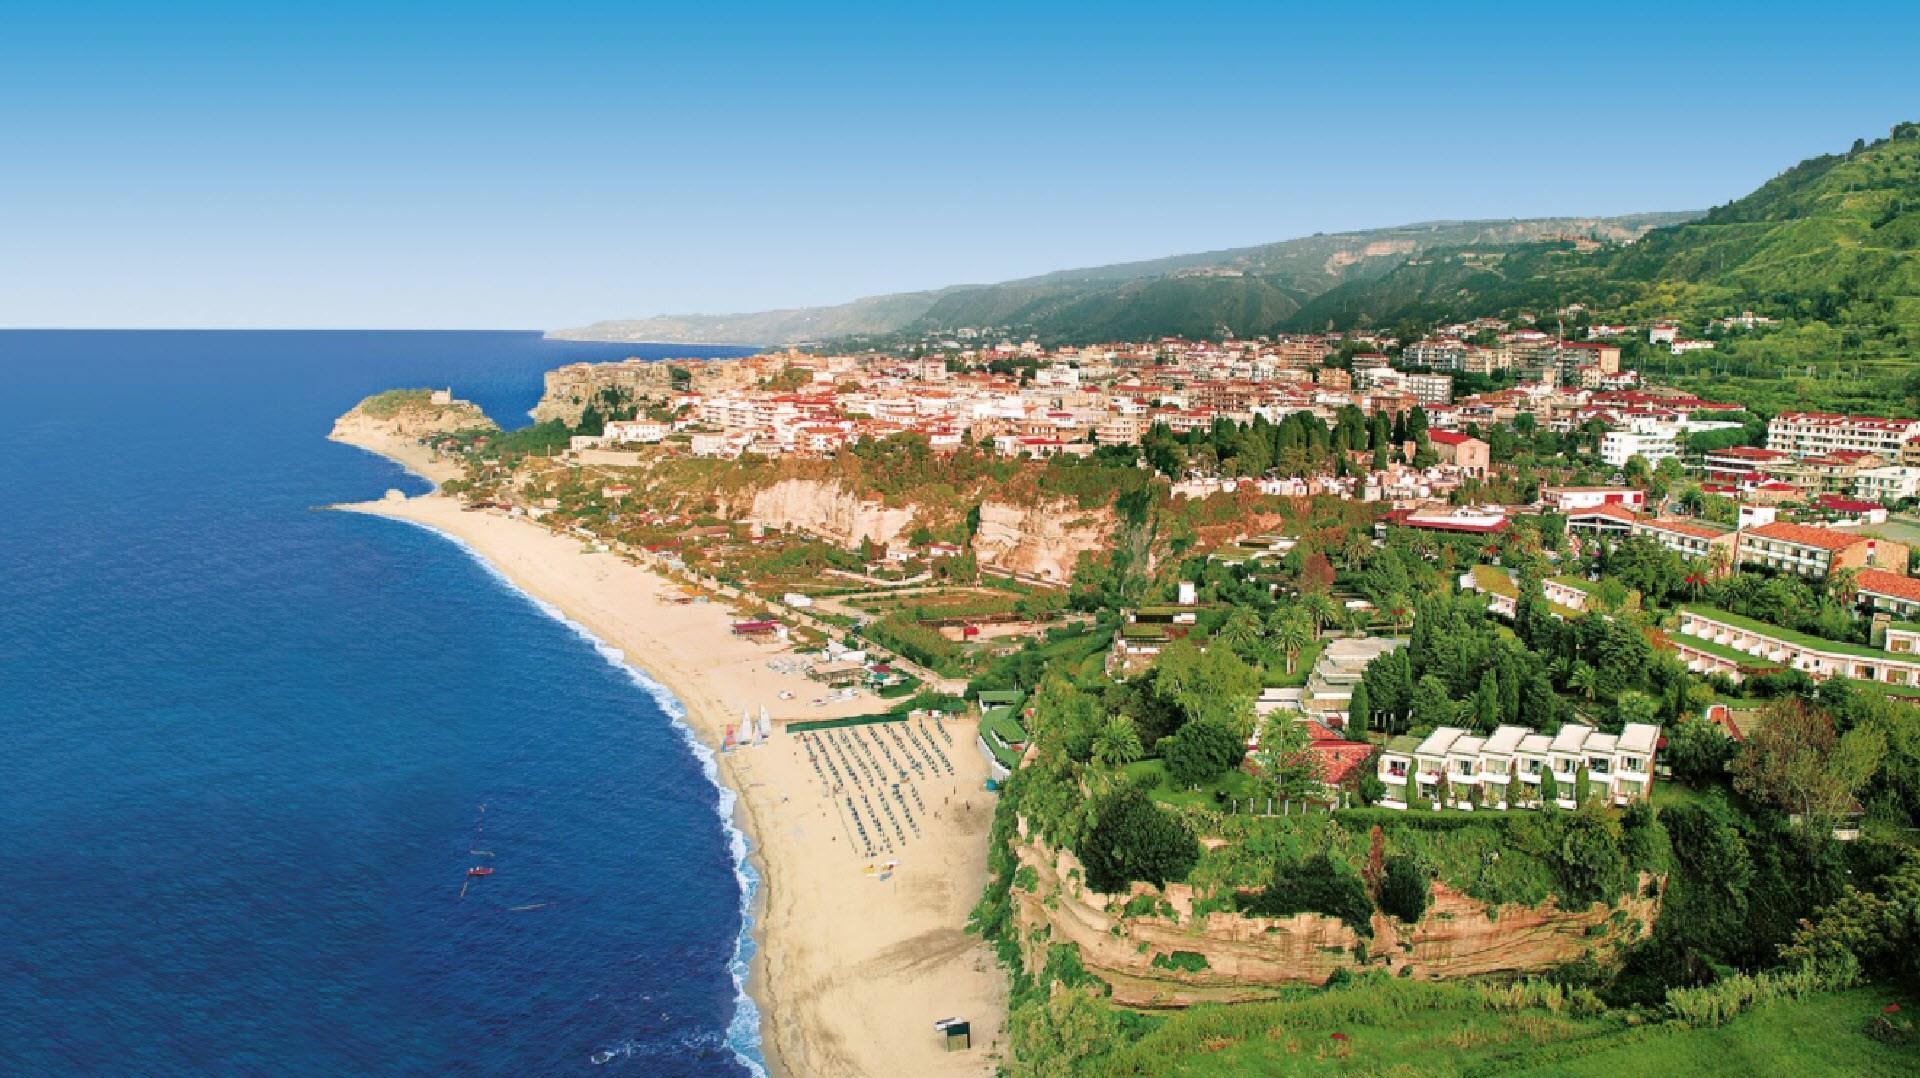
766	724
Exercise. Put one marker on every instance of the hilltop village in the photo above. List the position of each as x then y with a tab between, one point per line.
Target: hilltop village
1303	659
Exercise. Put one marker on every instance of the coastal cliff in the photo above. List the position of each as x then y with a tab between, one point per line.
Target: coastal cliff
1042	539
395	422
826	508
568	391
1230	957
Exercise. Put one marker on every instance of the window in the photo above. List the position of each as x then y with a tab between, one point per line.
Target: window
1597	764
1533	767
1464	767
1631	763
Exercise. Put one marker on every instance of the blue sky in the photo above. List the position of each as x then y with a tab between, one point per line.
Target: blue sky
483	165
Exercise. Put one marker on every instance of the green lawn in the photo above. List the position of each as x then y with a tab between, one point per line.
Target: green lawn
1277	676
1411	1028
1161	788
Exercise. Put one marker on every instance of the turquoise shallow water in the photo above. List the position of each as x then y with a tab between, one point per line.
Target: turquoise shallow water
244	745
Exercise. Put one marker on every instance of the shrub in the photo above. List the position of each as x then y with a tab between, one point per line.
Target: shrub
1182	961
1404	890
1316	885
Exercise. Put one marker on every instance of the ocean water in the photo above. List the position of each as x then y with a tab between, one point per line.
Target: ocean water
245	745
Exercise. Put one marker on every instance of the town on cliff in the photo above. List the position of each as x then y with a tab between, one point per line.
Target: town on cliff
1472	671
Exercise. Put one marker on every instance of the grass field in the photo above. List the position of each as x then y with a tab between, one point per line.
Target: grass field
1404	1028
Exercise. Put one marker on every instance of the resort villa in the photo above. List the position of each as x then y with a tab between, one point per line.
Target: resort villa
1714	641
1504	769
1814	552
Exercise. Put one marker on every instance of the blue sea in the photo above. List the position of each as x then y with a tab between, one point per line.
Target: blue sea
245	745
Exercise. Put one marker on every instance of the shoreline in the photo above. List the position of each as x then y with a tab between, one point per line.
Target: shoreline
824	1006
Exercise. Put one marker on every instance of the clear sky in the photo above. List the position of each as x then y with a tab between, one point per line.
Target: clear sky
535	166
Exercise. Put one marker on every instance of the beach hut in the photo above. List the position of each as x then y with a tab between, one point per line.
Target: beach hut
959	1033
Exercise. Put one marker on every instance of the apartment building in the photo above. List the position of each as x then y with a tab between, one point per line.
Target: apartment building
1881	592
1573	499
1814	552
1806	434
1442	354
1504	769
1689	539
1888	483
1431	390
1463	451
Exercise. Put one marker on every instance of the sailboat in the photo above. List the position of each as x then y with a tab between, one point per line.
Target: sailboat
766	724
726	742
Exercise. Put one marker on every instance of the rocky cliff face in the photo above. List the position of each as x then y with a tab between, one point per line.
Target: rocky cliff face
568	390
827	509
1043	541
1248	958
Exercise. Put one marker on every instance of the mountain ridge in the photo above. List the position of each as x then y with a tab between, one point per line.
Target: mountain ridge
1238	289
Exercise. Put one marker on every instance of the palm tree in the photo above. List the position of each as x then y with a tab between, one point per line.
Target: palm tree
1398	607
1355	550
1118	744
1719	560
1321	610
1584	680
1291	633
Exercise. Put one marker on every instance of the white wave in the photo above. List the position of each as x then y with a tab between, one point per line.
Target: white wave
743	1031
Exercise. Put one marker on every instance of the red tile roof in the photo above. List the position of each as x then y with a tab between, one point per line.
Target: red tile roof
1892	585
1339	759
1682	527
1807	535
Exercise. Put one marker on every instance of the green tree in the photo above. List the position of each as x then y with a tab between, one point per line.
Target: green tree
1241	632
1587	860
1797	763
1290	632
1360	709
1699	751
1201	752
1485	707
1118	743
1431	702
1133	839
1405	889
1315	885
1287	761
1584	680
1059	1032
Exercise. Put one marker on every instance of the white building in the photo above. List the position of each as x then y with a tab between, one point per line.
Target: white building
1504	769
1809	434
1653	439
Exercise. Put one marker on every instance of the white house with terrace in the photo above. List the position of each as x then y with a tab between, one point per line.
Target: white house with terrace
1712	641
1503	769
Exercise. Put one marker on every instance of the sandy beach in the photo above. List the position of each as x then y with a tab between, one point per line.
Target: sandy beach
853	969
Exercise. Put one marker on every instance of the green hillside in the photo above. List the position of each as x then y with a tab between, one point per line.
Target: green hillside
1831	242
1246	290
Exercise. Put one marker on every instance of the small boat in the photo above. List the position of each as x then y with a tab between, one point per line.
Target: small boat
479	870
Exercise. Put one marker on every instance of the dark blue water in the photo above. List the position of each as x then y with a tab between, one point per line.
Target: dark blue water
243	745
